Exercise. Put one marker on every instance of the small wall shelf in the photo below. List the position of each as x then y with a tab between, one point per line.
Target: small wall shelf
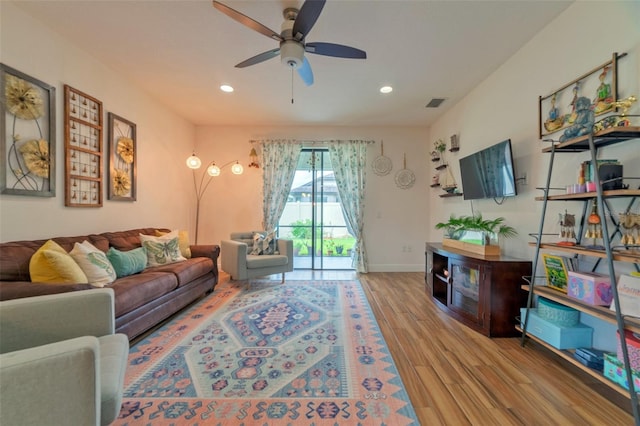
447	195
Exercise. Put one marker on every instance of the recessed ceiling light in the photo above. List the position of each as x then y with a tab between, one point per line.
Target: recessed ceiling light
226	88
386	89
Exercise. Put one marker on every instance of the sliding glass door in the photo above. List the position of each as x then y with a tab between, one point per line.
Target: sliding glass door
313	215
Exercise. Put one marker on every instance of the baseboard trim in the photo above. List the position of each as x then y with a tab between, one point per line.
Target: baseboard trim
381	267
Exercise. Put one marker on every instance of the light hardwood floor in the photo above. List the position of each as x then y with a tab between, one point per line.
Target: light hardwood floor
456	376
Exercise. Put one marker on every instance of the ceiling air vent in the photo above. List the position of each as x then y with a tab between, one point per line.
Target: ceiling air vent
435	102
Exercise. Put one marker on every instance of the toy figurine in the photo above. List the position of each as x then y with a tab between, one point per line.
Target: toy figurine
583	123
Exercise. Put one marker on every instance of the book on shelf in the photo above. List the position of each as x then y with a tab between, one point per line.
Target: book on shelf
628	295
587	173
556	269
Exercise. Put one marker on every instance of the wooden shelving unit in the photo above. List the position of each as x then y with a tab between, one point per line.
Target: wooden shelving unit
610	254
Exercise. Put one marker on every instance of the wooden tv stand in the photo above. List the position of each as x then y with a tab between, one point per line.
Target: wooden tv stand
483	292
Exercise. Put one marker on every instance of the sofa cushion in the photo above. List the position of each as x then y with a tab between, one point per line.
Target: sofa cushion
128	240
94	264
261	261
52	264
135	290
186	271
244	237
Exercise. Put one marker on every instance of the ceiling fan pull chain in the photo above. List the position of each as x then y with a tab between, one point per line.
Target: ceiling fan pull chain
291	86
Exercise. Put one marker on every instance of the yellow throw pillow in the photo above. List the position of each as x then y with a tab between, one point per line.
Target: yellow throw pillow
52	264
183	241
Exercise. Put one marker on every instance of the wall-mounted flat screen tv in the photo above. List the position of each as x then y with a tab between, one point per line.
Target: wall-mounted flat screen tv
489	173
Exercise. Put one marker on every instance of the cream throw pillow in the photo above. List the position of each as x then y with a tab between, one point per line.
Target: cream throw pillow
183	242
162	250
94	263
52	264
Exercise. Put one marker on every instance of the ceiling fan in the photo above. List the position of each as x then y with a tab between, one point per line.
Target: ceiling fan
292	38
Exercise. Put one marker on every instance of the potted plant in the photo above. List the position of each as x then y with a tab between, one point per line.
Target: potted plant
330	245
439	147
465	231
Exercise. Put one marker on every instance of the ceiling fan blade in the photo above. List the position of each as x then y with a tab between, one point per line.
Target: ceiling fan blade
246	21
307	17
336	50
259	58
305	72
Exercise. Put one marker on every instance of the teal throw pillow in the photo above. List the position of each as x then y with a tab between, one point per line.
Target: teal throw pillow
127	262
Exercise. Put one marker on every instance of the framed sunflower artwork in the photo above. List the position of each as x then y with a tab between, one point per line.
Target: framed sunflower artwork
83	149
27	126
122	158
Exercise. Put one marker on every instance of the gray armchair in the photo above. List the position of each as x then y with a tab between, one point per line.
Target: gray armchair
60	361
241	265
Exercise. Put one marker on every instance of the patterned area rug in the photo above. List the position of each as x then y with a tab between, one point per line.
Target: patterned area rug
303	353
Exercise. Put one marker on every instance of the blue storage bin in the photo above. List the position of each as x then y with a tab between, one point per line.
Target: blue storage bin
557	312
558	336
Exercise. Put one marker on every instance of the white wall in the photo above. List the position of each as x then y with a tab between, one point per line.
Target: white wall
505	106
393	217
163	140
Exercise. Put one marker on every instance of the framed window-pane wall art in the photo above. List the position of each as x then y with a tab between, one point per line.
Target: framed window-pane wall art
83	149
27	126
122	158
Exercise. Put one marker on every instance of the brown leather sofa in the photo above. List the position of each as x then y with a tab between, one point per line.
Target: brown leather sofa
141	300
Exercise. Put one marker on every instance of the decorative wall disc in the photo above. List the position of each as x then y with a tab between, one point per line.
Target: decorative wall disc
381	164
405	178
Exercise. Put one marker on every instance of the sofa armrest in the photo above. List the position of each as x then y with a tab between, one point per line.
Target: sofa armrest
286	247
234	258
211	251
58	383
39	320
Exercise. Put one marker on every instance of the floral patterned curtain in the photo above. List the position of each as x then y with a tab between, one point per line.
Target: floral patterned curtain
349	160
279	161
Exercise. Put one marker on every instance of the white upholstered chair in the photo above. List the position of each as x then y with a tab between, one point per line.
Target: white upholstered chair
241	265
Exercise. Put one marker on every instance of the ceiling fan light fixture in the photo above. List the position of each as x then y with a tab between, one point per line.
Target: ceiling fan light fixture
386	89
291	53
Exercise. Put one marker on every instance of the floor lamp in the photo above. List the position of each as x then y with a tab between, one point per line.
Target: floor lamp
213	170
